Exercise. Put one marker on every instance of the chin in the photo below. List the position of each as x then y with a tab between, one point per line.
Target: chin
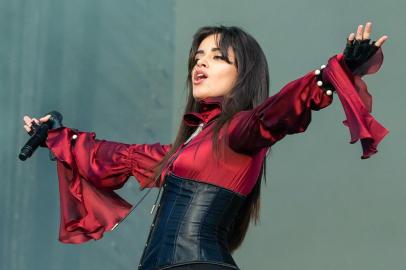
198	95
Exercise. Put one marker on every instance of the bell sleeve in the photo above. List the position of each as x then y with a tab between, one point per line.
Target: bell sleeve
89	170
289	111
357	101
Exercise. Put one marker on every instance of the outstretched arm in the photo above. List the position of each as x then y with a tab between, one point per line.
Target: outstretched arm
89	170
289	111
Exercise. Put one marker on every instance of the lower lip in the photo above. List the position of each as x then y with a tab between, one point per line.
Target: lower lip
199	81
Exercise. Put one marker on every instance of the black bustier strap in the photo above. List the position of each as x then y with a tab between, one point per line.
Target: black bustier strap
191	225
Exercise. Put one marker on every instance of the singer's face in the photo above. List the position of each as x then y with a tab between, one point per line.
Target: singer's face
213	75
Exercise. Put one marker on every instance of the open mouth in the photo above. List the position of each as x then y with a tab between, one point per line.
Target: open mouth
199	76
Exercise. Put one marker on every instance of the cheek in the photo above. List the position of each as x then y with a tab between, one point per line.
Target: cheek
229	76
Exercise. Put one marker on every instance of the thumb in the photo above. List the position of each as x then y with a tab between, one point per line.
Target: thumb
45	118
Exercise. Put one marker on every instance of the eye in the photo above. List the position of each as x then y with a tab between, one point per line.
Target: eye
219	57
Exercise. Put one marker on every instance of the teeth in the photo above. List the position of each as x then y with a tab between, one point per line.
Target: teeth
200	75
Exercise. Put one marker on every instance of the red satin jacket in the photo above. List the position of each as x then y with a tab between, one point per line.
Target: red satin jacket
89	170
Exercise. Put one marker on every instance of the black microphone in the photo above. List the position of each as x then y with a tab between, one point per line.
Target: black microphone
40	135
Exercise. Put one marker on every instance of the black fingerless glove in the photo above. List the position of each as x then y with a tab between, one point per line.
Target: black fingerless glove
357	52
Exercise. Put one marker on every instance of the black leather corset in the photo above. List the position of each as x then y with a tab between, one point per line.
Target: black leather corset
191	225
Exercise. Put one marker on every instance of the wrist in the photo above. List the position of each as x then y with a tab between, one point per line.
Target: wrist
321	82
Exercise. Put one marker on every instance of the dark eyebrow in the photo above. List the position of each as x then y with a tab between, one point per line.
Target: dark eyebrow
212	49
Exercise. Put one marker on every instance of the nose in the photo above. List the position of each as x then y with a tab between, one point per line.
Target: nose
202	62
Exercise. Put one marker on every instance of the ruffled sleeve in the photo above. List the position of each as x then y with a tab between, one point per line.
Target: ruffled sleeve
357	101
289	111
89	170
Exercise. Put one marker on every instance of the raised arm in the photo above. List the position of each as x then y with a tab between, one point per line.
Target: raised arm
289	111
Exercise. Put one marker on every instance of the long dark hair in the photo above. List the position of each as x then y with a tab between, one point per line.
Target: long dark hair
251	89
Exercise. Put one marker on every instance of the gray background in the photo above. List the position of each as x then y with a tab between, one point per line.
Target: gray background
118	68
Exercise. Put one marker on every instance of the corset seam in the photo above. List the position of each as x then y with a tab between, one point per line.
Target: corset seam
218	226
217	230
181	224
200	227
158	262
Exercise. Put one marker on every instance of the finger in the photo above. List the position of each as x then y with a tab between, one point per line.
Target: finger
351	38
358	36
27	120
27	128
367	31
45	118
36	120
381	41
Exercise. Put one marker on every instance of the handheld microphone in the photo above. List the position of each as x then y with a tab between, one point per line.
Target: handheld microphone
40	135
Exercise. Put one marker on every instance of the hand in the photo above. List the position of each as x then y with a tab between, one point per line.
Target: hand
30	123
358	48
364	34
